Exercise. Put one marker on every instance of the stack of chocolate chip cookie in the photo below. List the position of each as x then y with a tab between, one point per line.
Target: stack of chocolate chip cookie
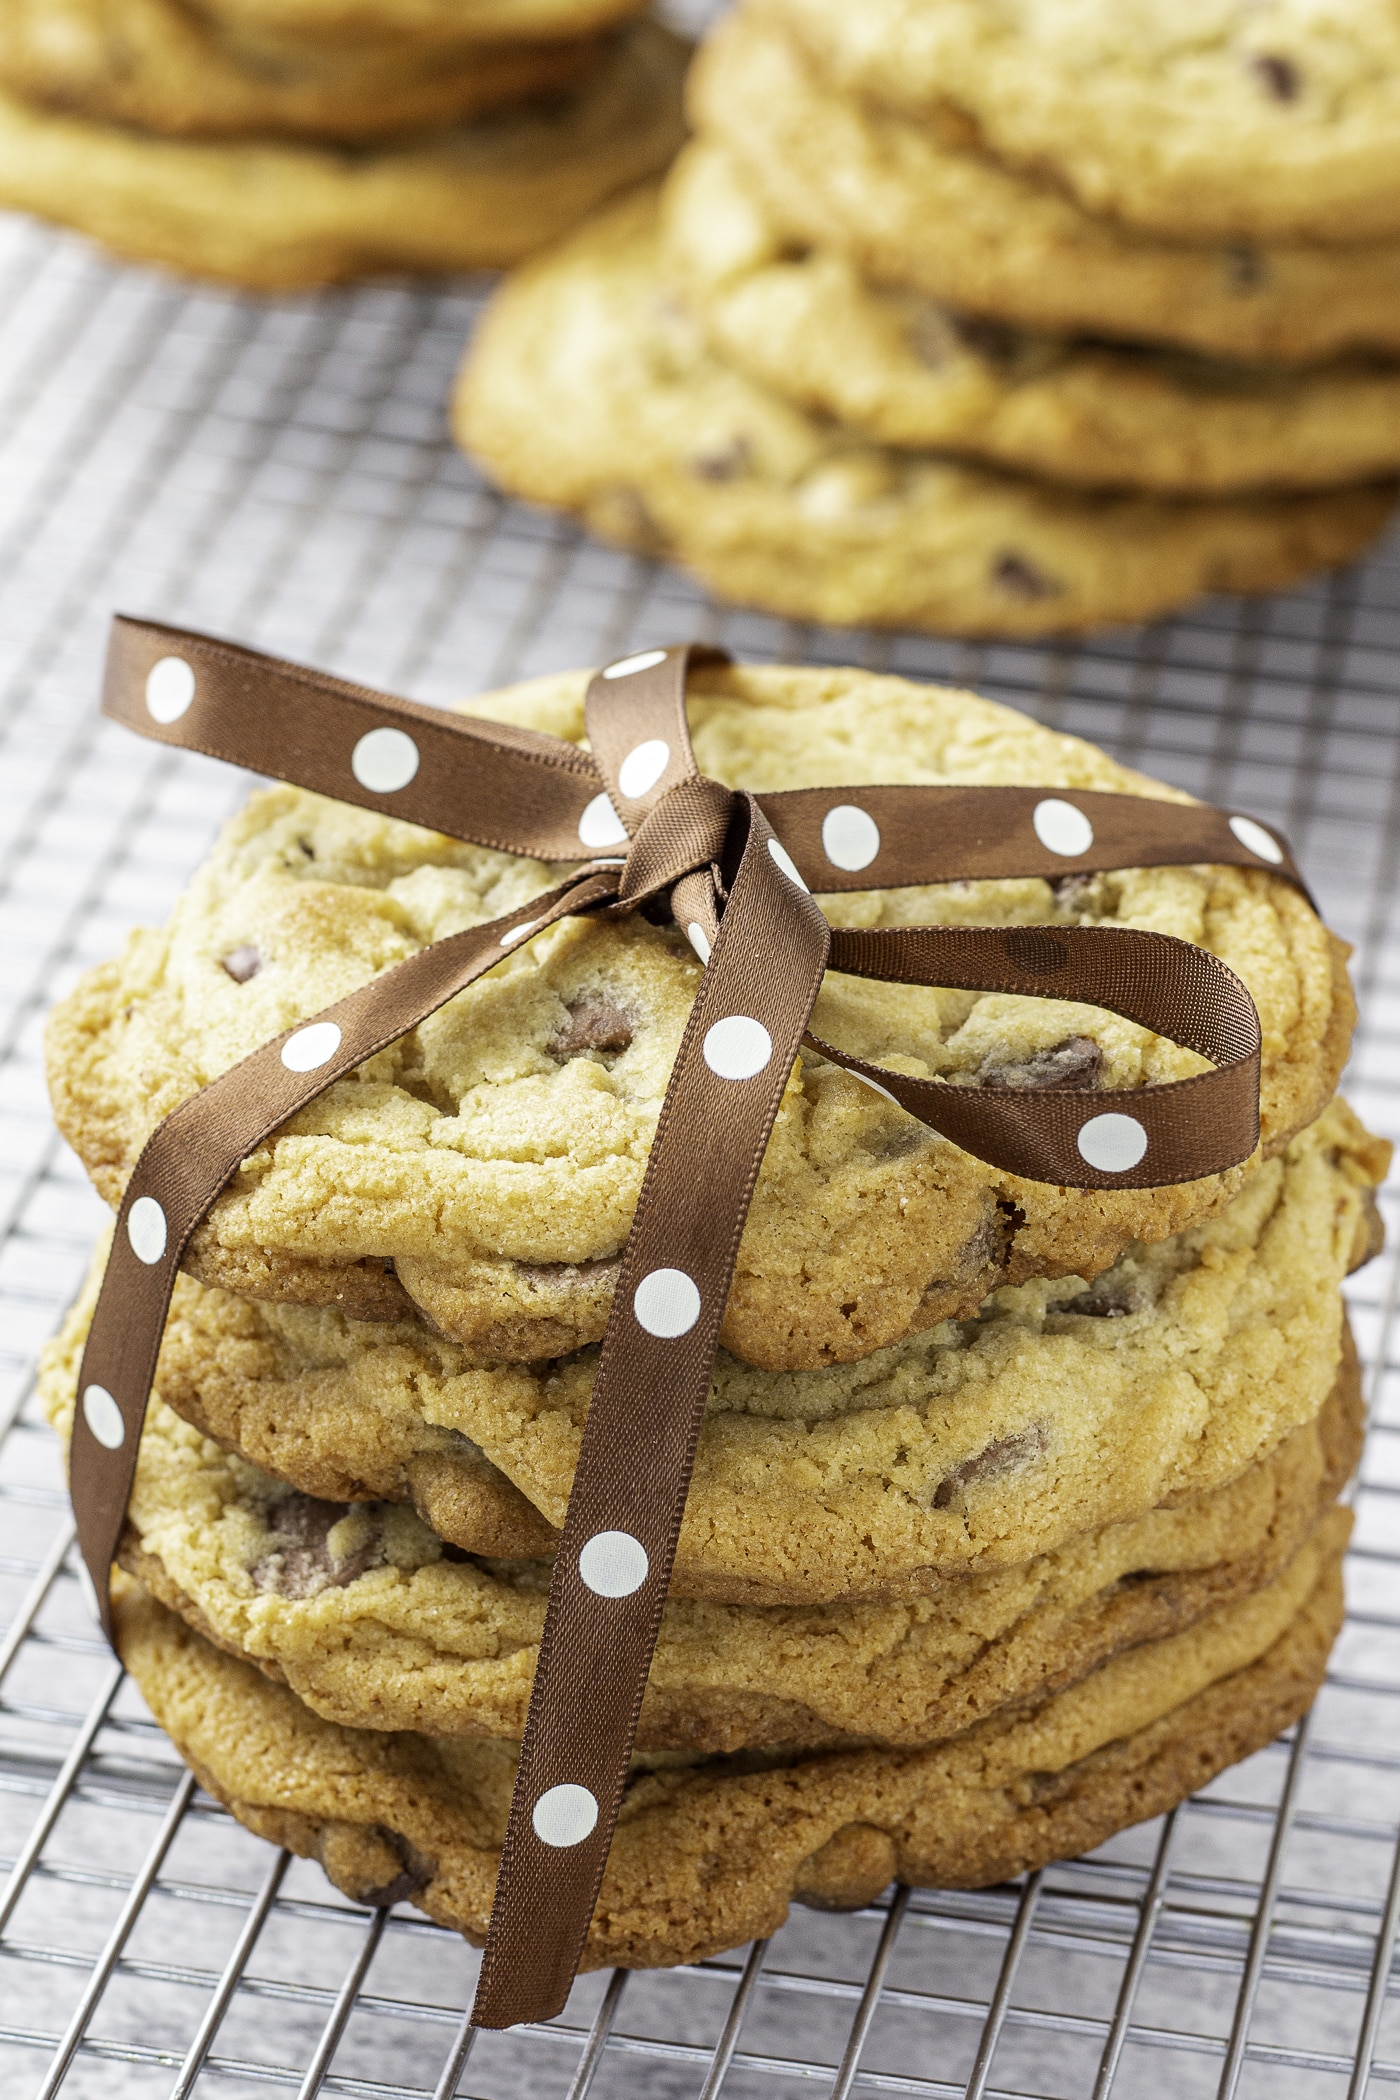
982	318
291	142
1014	1516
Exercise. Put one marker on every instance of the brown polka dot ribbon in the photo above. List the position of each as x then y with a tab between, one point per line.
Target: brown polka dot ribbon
640	826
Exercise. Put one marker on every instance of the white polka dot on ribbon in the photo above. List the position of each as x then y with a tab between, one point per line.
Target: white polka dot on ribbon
565	1816
103	1417
1255	839
170	688
311	1047
628	666
384	760
666	1303
146	1230
613	1564
643	767
1112	1143
600	825
737	1047
850	837
1061	828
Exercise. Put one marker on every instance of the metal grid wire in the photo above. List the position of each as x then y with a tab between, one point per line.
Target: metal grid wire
279	472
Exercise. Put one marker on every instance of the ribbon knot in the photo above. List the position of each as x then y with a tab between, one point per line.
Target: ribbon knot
738	869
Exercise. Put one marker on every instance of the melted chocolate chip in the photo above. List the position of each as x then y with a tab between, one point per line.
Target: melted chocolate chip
993	340
1076	1062
723	462
1020	578
1111	1298
1072	891
241	963
1003	1456
594	1023
300	1562
1245	269
1278	76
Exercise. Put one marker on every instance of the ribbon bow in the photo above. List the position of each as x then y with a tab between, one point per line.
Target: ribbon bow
647	831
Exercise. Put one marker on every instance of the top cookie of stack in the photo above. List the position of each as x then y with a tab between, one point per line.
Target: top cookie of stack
1137	275
288	142
484	1170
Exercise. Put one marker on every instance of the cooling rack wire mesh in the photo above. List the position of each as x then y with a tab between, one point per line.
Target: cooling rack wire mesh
279	472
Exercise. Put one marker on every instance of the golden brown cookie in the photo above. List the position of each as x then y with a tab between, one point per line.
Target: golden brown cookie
588	386
422	21
907	371
160	66
274	214
974	1444
361	1612
486	1167
923	205
1278	119
709	1854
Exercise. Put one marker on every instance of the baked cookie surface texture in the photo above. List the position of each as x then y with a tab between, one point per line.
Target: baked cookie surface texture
361	1610
486	1167
709	1853
975	1444
160	66
273	214
921	203
586	386
906	371
1280	118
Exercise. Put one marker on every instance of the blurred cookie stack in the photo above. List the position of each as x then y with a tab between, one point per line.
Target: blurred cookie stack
983	318
1014	1517
279	143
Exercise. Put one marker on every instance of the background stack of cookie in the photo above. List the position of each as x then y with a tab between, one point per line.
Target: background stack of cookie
1014	1516
983	318
289	142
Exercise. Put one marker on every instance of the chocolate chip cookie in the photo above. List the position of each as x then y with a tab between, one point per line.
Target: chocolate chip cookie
708	1853
587	386
1058	1408
1279	120
486	1167
923	204
273	214
907	371
160	66
372	1623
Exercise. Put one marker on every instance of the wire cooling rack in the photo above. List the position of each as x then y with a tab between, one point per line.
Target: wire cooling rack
279	472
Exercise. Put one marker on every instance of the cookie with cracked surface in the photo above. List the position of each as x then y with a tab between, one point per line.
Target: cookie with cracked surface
923	205
972	1445
163	67
588	386
709	1853
486	1167
911	373
360	1610
1279	119
275	214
